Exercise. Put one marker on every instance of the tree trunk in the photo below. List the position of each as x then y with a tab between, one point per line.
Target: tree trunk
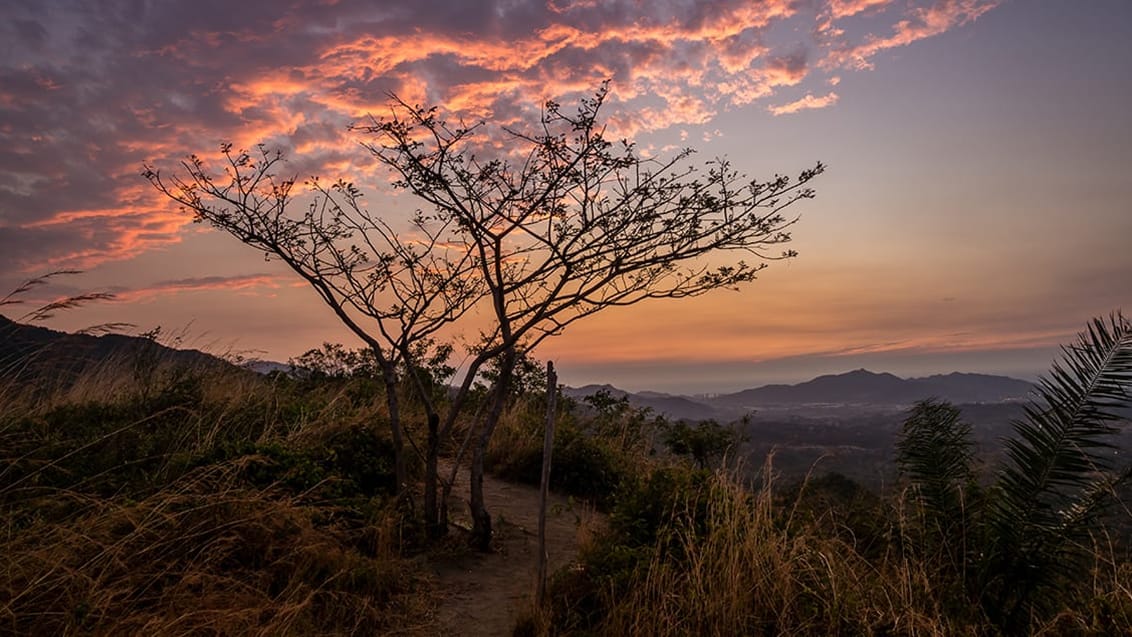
442	514
481	518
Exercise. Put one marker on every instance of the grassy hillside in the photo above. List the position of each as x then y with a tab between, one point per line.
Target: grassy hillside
202	499
199	500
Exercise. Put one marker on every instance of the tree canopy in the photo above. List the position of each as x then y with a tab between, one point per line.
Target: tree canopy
540	227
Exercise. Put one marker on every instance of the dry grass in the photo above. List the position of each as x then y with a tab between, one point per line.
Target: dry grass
736	561
193	546
206	555
746	570
188	545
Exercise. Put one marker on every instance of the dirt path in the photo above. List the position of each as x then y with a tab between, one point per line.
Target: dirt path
483	593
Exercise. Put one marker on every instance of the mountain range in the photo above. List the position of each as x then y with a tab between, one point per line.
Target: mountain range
859	388
53	350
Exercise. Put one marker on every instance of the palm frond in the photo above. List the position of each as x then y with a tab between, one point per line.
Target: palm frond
1059	471
934	453
1064	441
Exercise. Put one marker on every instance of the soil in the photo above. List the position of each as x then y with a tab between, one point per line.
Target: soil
482	594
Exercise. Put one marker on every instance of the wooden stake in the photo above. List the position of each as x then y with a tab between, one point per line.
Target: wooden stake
544	485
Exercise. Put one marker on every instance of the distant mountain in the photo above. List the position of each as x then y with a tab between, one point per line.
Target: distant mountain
865	387
31	351
267	367
590	390
860	388
668	405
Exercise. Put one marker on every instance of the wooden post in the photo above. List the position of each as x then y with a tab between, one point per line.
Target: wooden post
544	485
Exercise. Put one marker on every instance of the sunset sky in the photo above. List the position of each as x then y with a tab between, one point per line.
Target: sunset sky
976	210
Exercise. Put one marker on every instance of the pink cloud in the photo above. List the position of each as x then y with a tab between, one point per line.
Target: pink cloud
920	23
805	103
846	8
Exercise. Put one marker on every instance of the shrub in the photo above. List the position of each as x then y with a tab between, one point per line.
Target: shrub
583	464
1022	550
705	442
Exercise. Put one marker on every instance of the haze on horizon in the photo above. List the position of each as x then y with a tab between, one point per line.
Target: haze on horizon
976	211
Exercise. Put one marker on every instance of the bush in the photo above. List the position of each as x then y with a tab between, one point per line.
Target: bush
97	448
352	462
650	512
583	465
705	442
646	506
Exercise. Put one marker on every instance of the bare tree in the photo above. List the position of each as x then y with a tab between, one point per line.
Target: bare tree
394	292
564	223
555	225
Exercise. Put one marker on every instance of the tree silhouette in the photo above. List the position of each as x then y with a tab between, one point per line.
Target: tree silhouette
565	223
541	227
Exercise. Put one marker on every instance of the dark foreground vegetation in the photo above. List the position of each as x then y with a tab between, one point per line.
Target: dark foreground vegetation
142	493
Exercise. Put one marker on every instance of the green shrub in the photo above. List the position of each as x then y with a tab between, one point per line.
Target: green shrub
353	462
582	465
646	505
705	442
99	448
841	505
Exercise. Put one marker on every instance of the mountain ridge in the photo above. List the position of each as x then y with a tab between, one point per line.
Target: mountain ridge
30	351
856	388
859	387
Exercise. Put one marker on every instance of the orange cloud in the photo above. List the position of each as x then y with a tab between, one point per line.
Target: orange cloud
183	80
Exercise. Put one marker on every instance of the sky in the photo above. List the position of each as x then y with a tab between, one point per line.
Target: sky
976	211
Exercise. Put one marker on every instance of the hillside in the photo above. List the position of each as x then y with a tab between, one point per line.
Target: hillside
232	503
33	351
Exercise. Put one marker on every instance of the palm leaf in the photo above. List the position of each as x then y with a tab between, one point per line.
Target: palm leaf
935	454
1059	471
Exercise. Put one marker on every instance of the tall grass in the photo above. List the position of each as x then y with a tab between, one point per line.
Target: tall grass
204	554
733	561
732	558
200	500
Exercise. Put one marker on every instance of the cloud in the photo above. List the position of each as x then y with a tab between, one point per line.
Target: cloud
197	284
918	24
807	102
846	8
90	91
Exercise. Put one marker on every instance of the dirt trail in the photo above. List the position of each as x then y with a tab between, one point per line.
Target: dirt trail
483	593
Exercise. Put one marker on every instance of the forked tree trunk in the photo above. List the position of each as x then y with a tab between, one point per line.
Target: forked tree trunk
481	518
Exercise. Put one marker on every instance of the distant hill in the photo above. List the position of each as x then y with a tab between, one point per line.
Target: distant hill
267	367
668	405
31	351
860	388
35	350
865	387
